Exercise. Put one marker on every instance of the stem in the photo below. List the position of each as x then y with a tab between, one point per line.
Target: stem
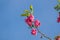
59	14
43	34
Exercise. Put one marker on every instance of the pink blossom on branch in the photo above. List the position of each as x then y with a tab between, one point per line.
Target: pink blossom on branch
58	19
33	32
37	23
33	23
31	17
29	20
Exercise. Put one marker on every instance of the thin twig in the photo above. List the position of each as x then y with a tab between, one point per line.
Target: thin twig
43	34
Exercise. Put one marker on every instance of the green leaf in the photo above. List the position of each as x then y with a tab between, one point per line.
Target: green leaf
57	7
25	14
59	1
26	11
31	7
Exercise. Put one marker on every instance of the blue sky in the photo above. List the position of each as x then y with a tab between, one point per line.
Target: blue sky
13	27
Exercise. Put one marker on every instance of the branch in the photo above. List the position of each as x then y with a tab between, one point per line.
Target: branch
43	34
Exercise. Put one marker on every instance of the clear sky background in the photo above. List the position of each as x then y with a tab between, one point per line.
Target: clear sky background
13	27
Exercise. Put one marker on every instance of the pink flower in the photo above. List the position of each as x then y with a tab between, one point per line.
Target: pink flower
58	19
31	17
29	20
36	23
33	32
57	38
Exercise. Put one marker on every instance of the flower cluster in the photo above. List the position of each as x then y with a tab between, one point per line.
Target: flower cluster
32	23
